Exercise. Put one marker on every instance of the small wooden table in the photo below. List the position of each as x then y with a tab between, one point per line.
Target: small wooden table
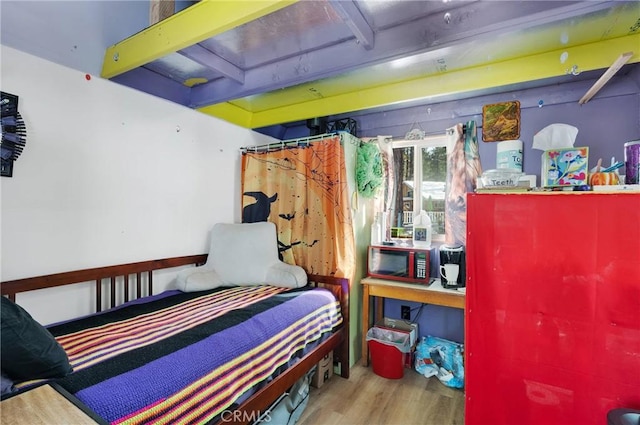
382	288
42	405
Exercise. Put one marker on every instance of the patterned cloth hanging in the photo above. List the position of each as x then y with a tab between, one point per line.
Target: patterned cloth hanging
369	170
463	169
303	190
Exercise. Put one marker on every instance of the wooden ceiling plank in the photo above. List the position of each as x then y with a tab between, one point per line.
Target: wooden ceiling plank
428	35
198	22
535	67
351	15
212	61
610	72
230	113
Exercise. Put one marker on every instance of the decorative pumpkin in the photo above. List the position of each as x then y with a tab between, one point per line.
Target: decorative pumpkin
601	178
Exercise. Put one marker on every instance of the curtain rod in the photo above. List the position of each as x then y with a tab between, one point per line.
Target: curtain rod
448	131
302	141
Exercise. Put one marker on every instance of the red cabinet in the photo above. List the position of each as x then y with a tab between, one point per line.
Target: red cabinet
553	307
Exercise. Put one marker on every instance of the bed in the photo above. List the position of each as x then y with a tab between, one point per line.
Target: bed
217	355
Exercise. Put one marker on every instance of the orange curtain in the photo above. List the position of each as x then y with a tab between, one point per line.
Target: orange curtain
303	190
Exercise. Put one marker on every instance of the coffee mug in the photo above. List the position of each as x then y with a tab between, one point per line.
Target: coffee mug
450	272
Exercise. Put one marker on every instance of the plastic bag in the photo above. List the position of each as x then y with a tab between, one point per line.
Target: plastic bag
400	340
442	358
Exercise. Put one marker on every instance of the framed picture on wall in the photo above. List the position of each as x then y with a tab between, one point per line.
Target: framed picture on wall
501	121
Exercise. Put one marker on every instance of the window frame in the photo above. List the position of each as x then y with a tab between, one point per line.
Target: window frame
435	141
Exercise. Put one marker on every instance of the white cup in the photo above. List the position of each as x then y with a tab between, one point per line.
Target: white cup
450	273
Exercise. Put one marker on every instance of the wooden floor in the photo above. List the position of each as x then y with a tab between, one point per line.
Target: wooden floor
366	398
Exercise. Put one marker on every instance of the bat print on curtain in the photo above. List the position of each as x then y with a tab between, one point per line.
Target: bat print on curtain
303	190
463	169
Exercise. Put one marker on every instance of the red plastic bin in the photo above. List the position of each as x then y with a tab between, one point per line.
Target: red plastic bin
388	360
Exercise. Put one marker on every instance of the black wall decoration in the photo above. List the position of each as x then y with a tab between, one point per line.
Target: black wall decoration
14	133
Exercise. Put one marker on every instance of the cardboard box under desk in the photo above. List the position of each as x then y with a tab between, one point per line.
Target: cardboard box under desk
324	371
400	325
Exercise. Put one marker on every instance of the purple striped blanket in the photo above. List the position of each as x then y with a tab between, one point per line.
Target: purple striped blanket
188	357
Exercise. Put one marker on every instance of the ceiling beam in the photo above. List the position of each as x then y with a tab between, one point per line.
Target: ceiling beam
155	84
198	22
352	16
427	89
212	61
429	34
230	113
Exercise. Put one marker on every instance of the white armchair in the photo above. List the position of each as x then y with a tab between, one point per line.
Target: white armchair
242	255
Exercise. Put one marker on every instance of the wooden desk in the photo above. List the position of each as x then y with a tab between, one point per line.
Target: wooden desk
43	405
381	288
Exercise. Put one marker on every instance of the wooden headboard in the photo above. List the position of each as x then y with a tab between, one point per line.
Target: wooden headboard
119	278
132	272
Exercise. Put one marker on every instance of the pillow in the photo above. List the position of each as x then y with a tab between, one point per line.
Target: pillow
28	350
198	279
286	275
203	278
242	255
6	384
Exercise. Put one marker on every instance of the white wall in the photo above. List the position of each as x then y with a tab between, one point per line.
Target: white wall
109	175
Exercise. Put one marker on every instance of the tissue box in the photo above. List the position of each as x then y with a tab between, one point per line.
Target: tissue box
565	167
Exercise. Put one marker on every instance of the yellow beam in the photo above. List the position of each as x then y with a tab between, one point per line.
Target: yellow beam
230	113
192	25
587	57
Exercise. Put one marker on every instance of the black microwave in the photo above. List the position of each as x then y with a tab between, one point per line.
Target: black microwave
405	264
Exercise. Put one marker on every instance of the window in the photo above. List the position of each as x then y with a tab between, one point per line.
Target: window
420	169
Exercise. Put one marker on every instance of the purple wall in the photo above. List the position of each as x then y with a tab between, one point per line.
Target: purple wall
443	322
605	123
